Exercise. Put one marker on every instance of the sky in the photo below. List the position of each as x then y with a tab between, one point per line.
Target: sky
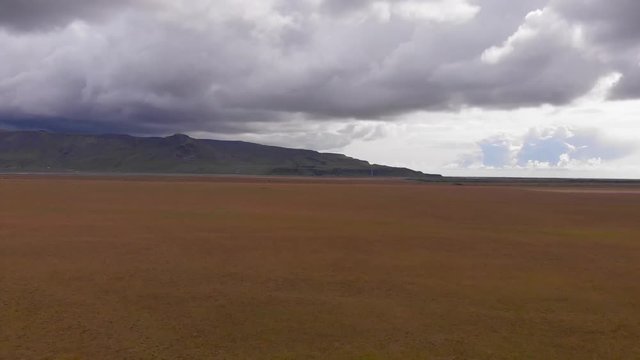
547	88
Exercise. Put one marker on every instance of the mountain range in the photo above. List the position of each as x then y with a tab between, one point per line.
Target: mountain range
41	151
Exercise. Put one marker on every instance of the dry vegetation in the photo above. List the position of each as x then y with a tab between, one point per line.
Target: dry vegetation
152	268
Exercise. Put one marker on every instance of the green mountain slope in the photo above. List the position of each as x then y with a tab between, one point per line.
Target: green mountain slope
39	151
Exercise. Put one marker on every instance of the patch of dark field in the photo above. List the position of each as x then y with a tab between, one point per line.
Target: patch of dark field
158	268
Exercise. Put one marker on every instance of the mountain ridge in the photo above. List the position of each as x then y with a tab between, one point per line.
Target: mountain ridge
42	151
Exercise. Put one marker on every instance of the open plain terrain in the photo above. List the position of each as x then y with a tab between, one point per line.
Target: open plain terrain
266	268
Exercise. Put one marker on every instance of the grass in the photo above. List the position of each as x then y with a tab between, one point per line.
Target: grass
170	268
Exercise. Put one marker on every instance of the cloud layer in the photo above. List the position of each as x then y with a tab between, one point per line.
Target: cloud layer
160	66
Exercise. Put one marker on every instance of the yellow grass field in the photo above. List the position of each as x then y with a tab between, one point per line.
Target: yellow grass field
224	268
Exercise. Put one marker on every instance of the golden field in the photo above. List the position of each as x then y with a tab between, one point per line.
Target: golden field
257	268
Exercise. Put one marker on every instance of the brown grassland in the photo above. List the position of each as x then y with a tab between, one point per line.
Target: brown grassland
224	268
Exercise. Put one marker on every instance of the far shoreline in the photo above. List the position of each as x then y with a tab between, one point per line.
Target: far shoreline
445	180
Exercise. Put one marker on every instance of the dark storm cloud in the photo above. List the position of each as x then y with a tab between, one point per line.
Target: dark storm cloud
29	15
159	66
340	7
610	22
385	69
613	28
629	86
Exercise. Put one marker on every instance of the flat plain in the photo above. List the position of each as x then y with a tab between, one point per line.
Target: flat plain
258	268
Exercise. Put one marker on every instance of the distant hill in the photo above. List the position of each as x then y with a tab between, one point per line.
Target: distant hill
40	151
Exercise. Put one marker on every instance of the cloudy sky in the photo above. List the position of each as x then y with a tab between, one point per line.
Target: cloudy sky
460	87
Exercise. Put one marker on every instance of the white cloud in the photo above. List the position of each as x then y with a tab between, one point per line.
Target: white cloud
546	148
529	30
437	11
543	26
